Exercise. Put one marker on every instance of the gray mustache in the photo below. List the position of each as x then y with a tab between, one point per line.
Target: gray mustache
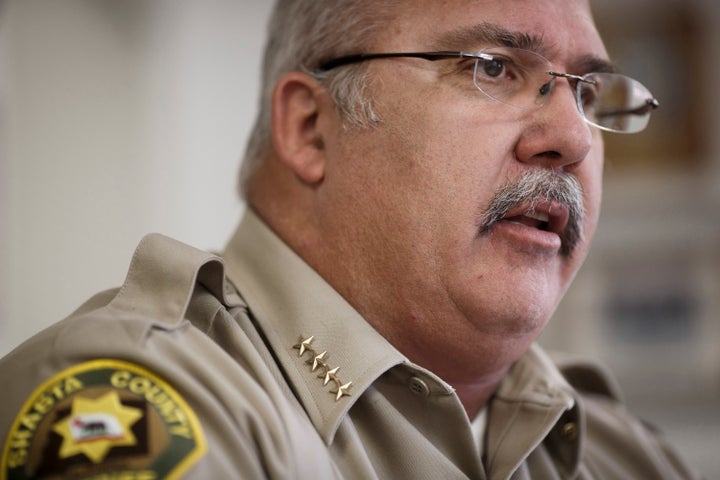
539	185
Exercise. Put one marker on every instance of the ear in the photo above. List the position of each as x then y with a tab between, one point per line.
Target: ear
296	106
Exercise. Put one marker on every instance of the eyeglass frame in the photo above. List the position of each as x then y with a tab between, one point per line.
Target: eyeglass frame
649	105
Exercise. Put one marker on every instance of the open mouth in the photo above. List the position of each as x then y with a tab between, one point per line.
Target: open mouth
545	216
540	207
532	219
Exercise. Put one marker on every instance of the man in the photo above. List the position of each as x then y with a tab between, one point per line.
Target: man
423	182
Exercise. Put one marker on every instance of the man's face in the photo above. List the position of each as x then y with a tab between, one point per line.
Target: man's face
406	200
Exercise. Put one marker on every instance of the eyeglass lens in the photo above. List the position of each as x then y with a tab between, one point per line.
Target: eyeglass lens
618	103
520	78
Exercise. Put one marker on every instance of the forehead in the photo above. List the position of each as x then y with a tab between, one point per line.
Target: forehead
556	28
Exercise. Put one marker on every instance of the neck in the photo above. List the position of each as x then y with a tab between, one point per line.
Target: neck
475	396
473	363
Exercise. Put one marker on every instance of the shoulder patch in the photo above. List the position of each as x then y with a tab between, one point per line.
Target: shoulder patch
103	419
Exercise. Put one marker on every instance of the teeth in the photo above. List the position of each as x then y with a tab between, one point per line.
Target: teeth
542	217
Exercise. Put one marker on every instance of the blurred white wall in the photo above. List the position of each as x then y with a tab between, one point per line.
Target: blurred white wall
118	118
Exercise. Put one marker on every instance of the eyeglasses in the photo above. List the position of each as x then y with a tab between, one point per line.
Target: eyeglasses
523	78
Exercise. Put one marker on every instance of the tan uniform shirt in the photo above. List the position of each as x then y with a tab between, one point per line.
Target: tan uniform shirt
176	375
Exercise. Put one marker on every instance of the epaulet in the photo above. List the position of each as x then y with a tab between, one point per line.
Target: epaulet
586	375
162	277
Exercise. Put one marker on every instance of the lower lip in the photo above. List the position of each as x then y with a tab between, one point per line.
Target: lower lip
528	238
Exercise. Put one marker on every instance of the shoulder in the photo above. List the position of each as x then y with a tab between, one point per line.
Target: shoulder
163	277
616	439
129	384
587	375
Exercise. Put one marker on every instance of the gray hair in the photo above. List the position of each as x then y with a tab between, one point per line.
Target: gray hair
303	33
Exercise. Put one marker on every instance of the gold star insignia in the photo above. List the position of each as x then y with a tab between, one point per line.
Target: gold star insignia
317	360
329	375
341	391
97	425
303	344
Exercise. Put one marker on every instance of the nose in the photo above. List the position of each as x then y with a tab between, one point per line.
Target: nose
556	135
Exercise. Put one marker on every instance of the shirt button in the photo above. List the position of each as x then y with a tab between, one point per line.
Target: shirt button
418	387
569	431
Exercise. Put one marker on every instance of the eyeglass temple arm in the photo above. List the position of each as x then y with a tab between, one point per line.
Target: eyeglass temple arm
361	57
571	77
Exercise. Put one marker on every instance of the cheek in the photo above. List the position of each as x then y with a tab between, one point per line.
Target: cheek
592	184
589	174
459	154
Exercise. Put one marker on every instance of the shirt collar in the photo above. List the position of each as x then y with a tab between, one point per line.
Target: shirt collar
534	378
537	403
291	303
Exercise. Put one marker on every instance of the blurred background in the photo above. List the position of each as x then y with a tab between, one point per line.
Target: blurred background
118	118
647	301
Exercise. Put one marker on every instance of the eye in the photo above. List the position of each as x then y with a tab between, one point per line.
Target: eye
493	68
589	94
588	97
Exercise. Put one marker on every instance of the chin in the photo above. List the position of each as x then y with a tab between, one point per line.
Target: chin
513	321
528	324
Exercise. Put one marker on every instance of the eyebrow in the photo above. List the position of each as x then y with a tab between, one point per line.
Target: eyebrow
491	34
487	33
595	64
